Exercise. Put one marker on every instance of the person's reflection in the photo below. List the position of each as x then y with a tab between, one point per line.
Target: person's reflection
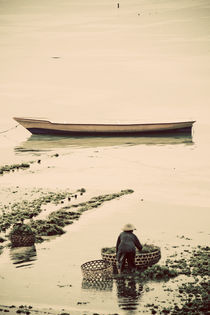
23	256
128	293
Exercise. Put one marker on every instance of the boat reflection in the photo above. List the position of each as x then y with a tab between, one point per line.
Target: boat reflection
128	292
47	143
23	256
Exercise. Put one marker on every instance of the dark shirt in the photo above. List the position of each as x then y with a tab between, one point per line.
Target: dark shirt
127	243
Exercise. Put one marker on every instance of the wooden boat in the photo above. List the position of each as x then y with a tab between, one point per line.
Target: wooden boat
40	126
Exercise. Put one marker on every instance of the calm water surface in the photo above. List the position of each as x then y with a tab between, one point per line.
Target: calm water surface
88	61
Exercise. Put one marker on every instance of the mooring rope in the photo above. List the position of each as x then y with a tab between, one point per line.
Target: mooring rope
9	129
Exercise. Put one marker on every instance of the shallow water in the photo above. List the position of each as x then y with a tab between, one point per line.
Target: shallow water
166	204
146	61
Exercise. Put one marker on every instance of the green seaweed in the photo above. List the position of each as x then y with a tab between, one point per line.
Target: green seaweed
199	261
29	209
158	272
12	167
146	248
21	229
197	265
57	220
2	239
194	295
44	228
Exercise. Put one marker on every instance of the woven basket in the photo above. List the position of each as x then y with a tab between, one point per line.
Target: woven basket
97	269
142	260
18	240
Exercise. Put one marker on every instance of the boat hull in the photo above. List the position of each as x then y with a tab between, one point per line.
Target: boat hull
40	131
44	127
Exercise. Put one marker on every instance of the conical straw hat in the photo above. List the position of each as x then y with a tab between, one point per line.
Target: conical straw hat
128	227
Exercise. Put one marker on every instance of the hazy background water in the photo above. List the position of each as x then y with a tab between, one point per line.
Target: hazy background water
89	61
148	60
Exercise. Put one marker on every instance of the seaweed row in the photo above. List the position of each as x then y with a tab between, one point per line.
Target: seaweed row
12	167
57	220
7	168
29	209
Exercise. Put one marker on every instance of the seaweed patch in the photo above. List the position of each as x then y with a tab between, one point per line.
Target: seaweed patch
8	168
193	294
56	220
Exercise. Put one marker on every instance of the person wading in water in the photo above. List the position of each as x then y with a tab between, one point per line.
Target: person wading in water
126	248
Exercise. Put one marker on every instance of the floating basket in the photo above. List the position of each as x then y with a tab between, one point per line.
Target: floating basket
97	269
18	240
142	260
